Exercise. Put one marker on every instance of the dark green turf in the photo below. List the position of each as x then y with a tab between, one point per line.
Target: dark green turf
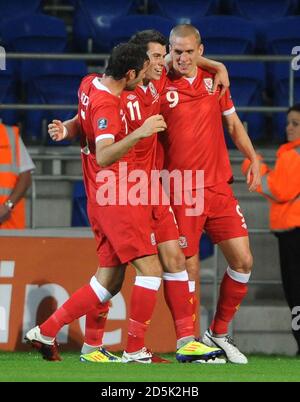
30	367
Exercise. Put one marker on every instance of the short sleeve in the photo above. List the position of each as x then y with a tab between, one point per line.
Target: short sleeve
106	121
226	104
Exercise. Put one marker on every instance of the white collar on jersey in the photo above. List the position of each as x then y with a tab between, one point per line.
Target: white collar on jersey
191	79
144	87
99	85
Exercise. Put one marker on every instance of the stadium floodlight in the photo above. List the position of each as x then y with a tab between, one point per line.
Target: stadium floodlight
296	60
2	58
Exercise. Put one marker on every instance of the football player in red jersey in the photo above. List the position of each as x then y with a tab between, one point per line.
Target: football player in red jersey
139	105
104	141
105	145
195	142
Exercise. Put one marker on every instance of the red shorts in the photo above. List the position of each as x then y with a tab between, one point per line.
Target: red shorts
221	219
164	224
123	233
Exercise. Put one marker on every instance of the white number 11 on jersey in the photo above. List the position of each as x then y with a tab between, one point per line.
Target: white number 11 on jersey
134	107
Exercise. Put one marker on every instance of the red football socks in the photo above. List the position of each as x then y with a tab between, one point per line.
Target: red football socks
141	309
231	296
79	304
94	325
193	300
177	297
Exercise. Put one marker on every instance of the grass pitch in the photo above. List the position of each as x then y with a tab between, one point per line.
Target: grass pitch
29	367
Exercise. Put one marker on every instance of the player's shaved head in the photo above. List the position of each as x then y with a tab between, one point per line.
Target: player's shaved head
184	30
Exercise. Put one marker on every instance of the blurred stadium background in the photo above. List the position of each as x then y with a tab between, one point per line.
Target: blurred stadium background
52	44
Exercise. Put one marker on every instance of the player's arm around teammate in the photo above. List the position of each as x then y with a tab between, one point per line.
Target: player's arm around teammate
108	151
221	76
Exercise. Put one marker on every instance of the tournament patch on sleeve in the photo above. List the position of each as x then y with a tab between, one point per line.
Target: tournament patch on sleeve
102	123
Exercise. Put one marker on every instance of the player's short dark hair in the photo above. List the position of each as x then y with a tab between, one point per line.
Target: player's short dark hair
125	57
147	36
294	108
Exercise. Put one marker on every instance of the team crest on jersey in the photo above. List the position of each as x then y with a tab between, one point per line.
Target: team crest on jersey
183	242
131	97
208	82
152	89
102	123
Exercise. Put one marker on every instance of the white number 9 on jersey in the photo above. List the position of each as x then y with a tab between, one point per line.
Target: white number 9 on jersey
173	98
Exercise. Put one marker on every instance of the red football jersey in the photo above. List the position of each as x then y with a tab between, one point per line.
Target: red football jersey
140	104
195	137
101	116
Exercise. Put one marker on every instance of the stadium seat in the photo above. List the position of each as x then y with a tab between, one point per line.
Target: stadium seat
16	8
247	82
262	14
8	92
124	27
92	21
183	12
283	35
280	74
51	82
35	33
262	10
79	209
226	35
